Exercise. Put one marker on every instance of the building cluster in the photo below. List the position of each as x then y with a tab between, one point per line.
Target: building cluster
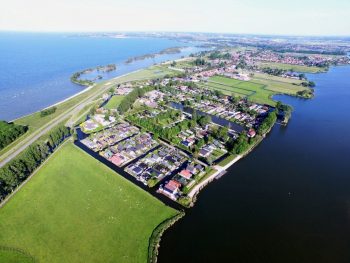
129	149
110	136
157	165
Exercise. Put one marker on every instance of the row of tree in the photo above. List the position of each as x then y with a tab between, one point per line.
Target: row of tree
219	55
18	169
9	132
129	99
273	71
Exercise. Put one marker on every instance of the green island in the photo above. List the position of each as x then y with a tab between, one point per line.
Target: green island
171	50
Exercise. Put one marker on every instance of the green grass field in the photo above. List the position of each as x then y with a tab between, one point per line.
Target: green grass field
13	256
258	93
296	68
259	89
114	102
75	209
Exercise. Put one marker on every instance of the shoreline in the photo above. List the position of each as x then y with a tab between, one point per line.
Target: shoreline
75	95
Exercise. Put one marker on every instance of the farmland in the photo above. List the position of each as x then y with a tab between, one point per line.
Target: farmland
260	89
74	207
296	68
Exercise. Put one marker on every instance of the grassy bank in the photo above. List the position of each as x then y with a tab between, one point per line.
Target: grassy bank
227	160
154	241
75	209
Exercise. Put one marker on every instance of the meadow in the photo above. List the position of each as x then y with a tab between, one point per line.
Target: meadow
295	68
259	89
75	209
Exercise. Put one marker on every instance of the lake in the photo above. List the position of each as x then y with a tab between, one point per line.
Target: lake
36	67
287	201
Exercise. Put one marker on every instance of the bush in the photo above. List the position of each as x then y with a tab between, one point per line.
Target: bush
48	111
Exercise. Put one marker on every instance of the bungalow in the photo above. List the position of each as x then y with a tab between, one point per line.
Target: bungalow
172	188
251	133
117	159
186	143
186	174
155	158
199	167
136	170
204	153
192	169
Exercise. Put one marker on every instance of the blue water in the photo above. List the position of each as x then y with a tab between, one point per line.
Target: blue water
287	201
36	67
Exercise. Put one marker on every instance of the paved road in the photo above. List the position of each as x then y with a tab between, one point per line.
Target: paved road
21	146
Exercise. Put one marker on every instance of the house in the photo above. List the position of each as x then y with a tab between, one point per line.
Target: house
186	143
155	158
204	153
199	167
136	170
192	169
186	174
117	159
90	125
171	189
251	133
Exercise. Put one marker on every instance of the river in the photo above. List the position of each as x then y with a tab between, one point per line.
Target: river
288	201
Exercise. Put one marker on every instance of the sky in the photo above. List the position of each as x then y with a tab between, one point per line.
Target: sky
277	17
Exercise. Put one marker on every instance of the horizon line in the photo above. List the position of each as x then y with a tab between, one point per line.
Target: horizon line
162	31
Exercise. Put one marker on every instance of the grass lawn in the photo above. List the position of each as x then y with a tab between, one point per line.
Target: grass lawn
259	89
296	68
227	90
75	209
11	256
114	102
258	93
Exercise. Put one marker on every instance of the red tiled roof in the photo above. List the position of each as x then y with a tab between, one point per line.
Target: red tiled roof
173	185
186	173
117	160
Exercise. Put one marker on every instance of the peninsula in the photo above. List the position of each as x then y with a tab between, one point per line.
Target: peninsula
128	157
